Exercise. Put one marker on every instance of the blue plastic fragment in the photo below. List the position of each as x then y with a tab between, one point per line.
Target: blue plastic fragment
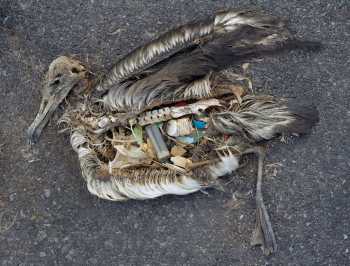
191	139
199	124
186	139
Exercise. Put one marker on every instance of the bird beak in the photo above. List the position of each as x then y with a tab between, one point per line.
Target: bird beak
48	106
64	74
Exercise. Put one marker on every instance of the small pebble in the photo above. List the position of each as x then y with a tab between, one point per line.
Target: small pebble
92	261
12	197
42	254
70	254
108	244
65	248
41	236
47	193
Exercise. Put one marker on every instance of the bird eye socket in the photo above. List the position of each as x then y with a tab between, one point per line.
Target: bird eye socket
75	70
55	82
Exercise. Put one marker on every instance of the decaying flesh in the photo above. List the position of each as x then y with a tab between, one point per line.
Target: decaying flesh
163	86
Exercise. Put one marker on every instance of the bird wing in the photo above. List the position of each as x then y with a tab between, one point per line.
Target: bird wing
166	73
180	38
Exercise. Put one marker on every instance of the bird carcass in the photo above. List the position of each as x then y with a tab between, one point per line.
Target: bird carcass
170	118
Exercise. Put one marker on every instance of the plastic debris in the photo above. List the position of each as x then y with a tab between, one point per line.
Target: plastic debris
179	127
158	143
137	133
193	138
186	139
181	162
177	151
128	157
103	122
148	148
200	124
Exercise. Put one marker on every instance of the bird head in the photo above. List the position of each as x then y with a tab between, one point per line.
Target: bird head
64	75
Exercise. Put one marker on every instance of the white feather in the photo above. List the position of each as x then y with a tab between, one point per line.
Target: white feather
118	190
227	165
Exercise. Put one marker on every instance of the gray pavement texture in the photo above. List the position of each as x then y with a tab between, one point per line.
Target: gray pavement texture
48	217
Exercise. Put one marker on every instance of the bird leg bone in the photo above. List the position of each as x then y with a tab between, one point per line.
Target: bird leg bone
263	233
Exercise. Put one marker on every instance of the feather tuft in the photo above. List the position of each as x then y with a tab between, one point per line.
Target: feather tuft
227	165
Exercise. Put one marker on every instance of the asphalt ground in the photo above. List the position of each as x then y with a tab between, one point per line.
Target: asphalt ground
47	216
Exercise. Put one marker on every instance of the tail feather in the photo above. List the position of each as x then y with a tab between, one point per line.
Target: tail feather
310	46
226	165
306	116
262	118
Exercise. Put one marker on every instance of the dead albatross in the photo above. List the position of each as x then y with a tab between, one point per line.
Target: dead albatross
169	118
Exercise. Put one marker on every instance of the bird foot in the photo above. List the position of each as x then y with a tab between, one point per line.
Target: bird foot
263	234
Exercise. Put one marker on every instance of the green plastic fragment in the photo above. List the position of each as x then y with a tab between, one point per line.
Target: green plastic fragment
137	132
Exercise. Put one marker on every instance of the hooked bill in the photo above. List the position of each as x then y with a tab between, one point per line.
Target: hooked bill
63	75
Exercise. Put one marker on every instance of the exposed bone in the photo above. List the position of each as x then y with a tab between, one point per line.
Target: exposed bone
167	113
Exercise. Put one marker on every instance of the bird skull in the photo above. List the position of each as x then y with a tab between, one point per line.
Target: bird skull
63	75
